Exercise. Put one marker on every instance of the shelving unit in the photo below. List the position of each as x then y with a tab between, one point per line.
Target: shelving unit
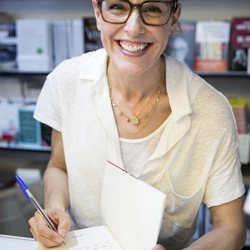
15	155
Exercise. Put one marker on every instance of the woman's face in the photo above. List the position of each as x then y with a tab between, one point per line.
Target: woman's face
134	47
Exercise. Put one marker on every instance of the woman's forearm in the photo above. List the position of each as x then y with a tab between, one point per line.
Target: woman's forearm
56	193
225	237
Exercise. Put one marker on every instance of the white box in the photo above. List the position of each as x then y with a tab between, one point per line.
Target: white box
34	45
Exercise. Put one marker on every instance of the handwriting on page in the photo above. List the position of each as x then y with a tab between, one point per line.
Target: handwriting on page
98	246
92	238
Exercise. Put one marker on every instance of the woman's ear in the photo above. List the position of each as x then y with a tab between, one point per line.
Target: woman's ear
175	19
97	13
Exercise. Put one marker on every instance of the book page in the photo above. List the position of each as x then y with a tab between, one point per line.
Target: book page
132	209
14	242
93	238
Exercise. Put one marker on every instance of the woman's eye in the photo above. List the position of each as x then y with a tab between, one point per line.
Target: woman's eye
153	10
117	7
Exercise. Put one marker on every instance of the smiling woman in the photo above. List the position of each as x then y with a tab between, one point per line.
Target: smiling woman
130	104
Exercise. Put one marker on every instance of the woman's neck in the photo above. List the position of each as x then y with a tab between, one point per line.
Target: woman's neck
134	88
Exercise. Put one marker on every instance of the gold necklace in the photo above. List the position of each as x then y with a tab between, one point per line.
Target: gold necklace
135	119
147	116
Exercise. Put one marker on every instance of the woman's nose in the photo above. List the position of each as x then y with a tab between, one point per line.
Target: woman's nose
134	25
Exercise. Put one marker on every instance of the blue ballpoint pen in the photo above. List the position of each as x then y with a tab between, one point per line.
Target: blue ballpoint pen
31	198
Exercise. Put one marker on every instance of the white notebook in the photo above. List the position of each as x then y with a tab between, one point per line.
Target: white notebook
8	242
132	212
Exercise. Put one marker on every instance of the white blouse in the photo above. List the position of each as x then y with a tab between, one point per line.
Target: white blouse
136	152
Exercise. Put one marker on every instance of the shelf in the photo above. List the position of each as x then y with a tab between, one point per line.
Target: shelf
224	74
28	147
18	73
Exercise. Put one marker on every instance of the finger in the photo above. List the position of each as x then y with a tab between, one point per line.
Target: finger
42	232
33	234
64	225
48	237
49	243
63	221
32	225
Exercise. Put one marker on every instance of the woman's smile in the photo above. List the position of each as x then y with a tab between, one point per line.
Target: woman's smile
133	46
130	48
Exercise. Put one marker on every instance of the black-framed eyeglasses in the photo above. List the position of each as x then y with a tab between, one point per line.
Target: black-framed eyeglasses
154	13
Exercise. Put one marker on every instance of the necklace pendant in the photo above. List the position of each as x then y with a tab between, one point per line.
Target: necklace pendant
134	120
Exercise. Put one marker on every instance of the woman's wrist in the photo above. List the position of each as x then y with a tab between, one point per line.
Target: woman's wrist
57	206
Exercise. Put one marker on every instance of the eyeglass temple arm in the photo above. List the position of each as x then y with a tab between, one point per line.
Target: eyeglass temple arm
175	5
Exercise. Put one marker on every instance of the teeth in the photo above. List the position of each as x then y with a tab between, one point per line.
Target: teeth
134	47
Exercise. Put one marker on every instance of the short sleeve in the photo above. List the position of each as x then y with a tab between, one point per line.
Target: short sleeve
48	109
225	182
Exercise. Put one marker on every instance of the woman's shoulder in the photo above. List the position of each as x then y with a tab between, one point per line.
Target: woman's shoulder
204	98
198	87
212	106
75	66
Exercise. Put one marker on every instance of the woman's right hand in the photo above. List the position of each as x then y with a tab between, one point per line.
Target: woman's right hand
41	232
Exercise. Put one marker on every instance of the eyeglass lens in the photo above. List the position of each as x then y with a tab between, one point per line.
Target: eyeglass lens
154	12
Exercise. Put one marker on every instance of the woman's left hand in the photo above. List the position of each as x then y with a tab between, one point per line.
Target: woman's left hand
159	247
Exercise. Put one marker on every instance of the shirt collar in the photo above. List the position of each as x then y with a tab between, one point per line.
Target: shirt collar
178	77
93	65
